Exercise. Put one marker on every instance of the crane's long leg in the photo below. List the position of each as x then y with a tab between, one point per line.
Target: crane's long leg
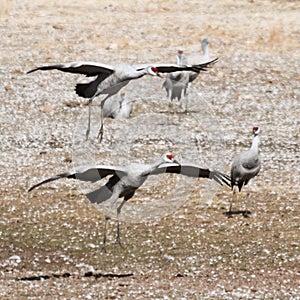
186	98
89	123
113	199
231	200
89	117
229	213
105	234
126	198
246	213
100	132
181	101
118	240
170	104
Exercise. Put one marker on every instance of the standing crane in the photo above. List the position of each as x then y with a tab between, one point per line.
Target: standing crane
125	180
176	83
245	166
111	79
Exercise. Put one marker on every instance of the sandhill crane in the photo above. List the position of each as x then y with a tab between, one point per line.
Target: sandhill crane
110	79
176	83
117	107
125	180
245	166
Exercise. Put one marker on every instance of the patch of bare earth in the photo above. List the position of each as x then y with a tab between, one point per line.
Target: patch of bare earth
50	239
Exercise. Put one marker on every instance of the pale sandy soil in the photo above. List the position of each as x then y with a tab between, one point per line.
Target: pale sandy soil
50	239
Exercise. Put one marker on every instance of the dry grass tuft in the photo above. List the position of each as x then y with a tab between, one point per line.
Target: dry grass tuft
276	34
4	7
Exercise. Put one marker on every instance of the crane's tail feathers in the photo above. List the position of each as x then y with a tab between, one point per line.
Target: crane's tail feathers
220	178
64	175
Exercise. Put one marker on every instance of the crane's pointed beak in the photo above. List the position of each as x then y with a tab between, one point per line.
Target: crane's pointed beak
176	162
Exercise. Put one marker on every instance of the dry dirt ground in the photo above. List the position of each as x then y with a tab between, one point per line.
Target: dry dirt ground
50	239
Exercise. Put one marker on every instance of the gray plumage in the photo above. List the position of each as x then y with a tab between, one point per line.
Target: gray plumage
246	166
117	107
134	175
111	79
125	180
176	83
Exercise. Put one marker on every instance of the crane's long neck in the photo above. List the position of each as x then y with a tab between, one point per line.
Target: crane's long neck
255	144
179	59
205	51
153	167
138	74
156	164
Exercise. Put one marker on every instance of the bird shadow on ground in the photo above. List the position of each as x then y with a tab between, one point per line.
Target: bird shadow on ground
245	213
67	275
178	112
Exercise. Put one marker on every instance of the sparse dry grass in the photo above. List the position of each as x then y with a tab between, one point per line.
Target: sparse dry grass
197	252
193	248
5	6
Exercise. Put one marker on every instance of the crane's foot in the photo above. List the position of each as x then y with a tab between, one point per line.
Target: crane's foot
118	239
87	133
103	249
100	134
184	110
229	213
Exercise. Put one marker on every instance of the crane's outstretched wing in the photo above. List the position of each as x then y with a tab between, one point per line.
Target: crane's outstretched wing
220	178
168	68
87	68
193	171
106	191
64	175
91	174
